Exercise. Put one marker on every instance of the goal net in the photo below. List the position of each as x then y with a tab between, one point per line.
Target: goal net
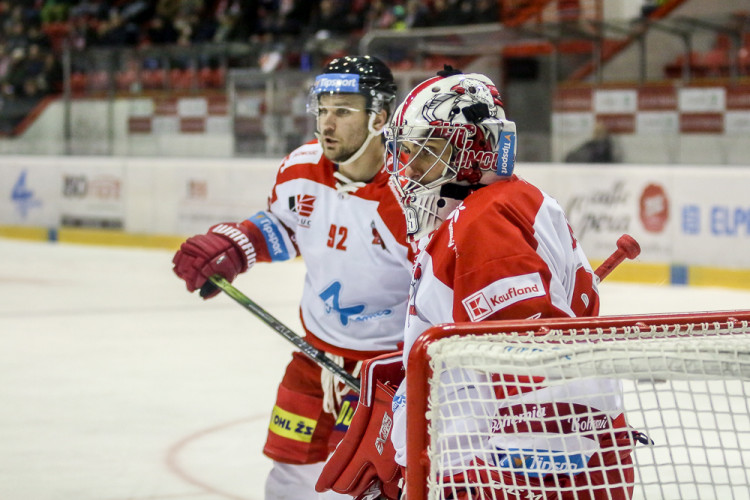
619	407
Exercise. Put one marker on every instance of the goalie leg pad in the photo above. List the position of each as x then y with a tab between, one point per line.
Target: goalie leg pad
364	462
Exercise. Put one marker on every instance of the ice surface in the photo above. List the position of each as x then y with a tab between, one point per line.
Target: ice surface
115	383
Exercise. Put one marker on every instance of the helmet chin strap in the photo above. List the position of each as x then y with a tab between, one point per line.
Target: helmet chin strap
371	134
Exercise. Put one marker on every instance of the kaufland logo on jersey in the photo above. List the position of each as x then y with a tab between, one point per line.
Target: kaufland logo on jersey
336	82
501	294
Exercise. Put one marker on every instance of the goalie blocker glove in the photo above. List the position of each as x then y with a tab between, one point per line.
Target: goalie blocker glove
363	464
226	250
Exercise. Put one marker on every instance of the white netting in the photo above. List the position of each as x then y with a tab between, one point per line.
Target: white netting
525	416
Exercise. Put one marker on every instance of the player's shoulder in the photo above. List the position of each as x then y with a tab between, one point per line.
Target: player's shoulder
308	154
501	209
306	162
510	198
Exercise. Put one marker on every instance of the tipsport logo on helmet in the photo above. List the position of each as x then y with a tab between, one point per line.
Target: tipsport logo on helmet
505	159
336	82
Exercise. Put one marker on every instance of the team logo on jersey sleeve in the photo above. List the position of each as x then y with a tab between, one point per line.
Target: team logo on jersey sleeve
501	294
302	205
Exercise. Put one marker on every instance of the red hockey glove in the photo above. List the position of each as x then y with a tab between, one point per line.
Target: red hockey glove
226	250
363	464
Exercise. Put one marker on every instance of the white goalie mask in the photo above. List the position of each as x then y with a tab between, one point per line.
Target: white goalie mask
448	138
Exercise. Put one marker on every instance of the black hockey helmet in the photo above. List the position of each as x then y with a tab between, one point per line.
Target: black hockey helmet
365	75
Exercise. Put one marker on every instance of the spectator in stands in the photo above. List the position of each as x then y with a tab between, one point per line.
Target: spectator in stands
51	79
485	11
227	15
96	9
599	149
33	63
160	31
379	16
35	36
16	73
445	13
15	35
326	19
117	31
55	11
417	14
5	60
82	32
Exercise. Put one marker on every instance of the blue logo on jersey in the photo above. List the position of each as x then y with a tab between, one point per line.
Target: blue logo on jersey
399	400
538	463
506	158
336	82
272	234
330	297
23	197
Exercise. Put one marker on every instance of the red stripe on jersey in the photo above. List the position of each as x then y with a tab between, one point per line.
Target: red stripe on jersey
321	171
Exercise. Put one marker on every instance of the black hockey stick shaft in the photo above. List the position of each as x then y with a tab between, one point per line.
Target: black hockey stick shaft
311	352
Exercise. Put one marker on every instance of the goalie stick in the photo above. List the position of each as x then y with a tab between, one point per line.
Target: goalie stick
627	247
311	352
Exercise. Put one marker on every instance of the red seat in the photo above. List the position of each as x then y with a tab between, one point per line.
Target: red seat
181	79
153	79
78	82
211	78
125	79
99	80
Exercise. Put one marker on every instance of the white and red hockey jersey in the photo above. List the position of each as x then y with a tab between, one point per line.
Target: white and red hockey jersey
507	252
353	242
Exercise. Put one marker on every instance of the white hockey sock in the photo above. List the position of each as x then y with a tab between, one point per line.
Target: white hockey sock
297	482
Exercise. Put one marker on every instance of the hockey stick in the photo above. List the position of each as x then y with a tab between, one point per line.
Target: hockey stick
314	354
627	247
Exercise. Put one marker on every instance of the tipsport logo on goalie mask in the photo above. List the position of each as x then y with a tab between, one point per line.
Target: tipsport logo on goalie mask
506	158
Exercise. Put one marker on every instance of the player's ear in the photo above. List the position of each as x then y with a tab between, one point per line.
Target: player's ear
381	120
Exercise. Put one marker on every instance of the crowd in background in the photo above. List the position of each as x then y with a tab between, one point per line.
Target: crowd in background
31	31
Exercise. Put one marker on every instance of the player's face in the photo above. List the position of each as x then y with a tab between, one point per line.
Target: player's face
426	161
342	124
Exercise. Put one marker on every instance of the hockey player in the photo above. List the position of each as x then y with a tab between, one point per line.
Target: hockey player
332	204
491	246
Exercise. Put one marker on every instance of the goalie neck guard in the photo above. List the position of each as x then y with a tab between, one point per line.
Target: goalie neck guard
448	138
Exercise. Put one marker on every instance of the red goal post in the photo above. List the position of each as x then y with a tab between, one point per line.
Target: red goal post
685	380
